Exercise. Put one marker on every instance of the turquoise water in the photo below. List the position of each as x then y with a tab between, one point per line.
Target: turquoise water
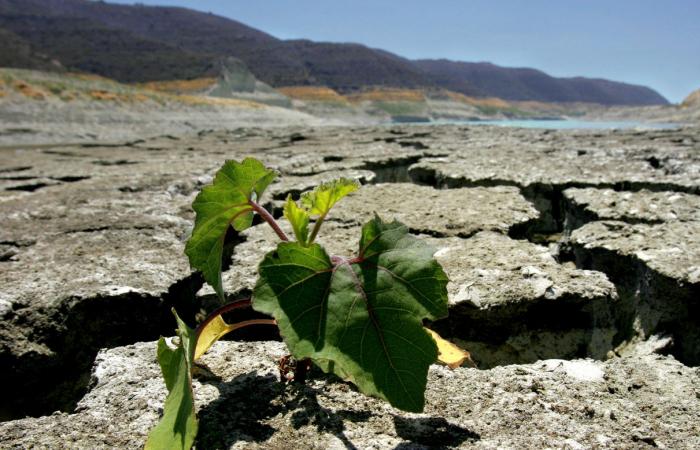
566	124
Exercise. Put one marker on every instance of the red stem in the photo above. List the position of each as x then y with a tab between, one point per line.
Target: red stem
338	260
267	217
247	323
236	304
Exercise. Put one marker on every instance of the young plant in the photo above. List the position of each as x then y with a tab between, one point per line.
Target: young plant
359	317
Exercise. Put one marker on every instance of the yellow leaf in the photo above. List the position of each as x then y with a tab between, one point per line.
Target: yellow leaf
212	332
448	353
217	328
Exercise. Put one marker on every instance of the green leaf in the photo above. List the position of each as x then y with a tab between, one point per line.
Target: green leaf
321	200
360	318
299	218
177	428
220	205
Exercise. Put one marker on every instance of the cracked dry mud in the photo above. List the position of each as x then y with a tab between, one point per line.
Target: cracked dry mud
560	246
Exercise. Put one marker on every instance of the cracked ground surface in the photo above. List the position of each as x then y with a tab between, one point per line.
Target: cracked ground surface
560	245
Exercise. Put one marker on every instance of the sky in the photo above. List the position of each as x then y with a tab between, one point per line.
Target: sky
650	42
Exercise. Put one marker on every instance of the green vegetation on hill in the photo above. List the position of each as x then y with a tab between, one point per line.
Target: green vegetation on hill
18	52
85	45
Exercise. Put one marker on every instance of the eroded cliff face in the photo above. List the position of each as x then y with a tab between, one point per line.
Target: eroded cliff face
558	246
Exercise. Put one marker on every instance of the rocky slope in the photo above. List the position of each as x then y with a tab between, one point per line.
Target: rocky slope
567	280
41	108
234	80
692	100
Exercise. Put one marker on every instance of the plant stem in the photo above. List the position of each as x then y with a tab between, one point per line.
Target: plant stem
236	304
267	217
317	227
247	323
301	370
338	260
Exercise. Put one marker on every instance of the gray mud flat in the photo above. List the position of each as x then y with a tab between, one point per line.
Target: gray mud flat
573	258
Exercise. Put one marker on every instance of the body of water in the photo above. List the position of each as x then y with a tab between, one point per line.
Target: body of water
566	124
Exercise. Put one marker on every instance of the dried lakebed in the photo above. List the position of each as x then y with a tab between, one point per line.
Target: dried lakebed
559	246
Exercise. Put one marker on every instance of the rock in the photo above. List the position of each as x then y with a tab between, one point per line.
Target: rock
511	302
389	161
649	245
236	81
76	292
563	160
556	161
657	271
490	270
95	259
692	100
550	404
671	249
453	212
586	205
581	370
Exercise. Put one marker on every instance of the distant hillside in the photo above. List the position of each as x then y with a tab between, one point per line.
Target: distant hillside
18	52
692	100
90	46
140	43
530	84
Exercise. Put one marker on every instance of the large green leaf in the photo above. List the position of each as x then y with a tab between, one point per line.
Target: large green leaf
220	205
177	428
360	318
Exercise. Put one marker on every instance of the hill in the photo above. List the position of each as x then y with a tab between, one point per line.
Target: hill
692	100
530	84
40	107
136	43
90	46
17	51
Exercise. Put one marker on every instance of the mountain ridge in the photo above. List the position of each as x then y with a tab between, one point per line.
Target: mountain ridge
524	83
184	43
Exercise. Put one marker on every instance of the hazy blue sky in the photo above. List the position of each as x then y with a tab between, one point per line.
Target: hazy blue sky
650	42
